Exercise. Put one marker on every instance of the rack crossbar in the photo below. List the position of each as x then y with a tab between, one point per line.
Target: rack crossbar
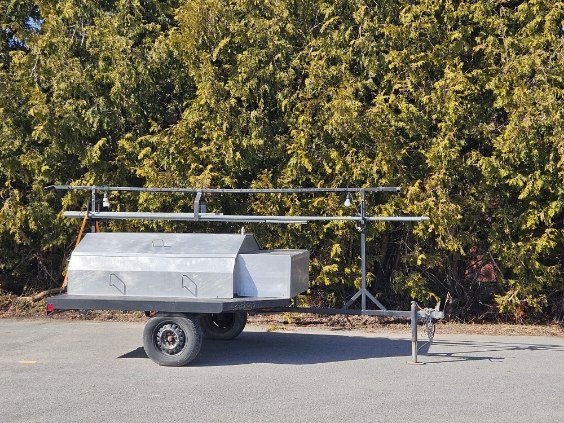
212	217
222	190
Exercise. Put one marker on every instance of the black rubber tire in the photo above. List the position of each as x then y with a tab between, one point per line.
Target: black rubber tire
224	326
188	324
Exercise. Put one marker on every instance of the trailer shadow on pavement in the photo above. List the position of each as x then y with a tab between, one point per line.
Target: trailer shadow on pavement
465	350
314	348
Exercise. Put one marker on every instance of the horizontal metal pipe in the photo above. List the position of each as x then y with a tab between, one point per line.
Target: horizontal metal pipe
211	217
220	190
334	311
397	218
205	217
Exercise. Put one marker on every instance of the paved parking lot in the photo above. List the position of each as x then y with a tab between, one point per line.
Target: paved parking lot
79	371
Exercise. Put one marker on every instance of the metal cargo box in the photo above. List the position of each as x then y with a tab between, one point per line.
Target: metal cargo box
182	265
272	273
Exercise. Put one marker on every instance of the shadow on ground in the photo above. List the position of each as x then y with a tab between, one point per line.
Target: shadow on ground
467	350
300	348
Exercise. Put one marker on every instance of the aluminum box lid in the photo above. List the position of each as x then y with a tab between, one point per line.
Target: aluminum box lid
167	244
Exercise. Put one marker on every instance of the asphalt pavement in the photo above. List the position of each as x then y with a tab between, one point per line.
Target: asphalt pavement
83	371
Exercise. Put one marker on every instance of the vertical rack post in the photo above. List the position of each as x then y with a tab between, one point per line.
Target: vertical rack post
93	209
363	247
363	292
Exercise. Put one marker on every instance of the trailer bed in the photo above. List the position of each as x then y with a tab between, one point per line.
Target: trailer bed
160	304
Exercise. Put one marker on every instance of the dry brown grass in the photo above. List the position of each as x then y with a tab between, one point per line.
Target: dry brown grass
12	306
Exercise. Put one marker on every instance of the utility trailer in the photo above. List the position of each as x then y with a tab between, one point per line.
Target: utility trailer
202	285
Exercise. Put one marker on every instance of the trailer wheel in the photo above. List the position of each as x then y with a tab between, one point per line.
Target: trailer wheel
172	340
224	326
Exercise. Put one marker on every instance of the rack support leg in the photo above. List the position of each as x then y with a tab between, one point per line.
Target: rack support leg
414	334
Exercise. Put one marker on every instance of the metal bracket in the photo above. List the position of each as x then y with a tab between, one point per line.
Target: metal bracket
367	295
197	205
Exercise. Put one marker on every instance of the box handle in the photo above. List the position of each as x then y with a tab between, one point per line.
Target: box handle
159	243
117	283
189	285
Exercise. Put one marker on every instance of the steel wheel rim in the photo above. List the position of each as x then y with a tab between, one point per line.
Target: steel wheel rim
170	339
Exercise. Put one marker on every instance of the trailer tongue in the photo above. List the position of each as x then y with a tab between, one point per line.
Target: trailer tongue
198	285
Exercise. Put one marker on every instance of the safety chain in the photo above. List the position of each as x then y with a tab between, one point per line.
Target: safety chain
429	325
